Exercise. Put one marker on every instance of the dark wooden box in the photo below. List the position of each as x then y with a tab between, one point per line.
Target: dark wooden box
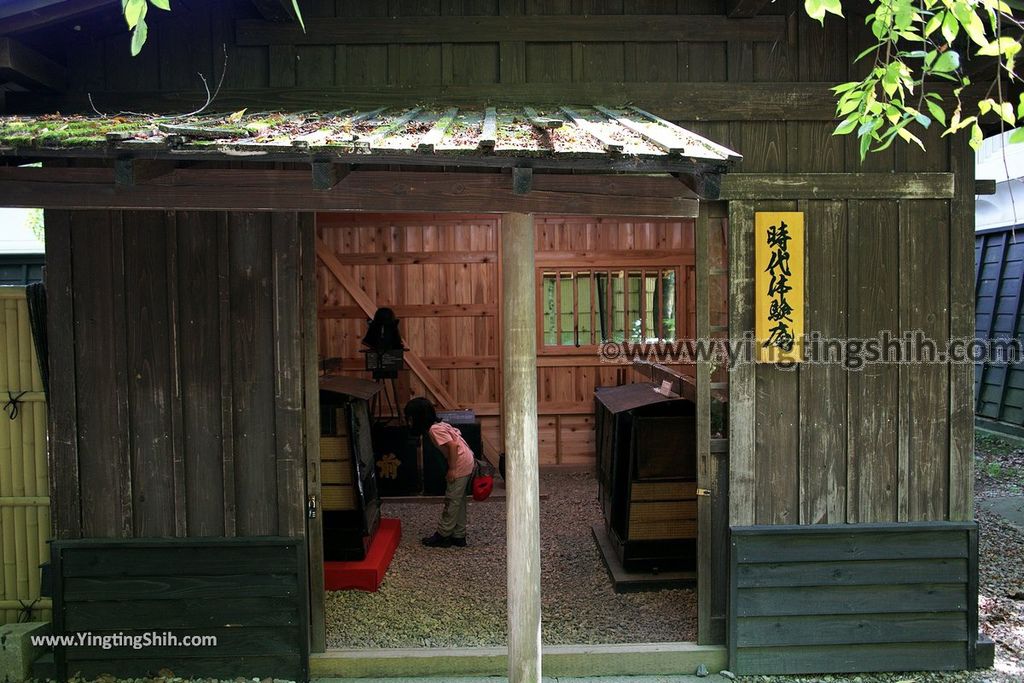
647	476
350	500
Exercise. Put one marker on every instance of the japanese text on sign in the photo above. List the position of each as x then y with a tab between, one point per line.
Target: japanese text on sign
779	285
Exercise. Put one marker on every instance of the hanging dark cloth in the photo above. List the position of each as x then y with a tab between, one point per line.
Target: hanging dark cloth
36	295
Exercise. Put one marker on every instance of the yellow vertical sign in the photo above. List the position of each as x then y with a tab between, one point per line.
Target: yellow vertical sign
779	285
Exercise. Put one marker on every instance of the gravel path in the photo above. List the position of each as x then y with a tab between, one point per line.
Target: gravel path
580	606
456	597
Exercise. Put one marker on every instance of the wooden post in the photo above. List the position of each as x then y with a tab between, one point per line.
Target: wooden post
519	370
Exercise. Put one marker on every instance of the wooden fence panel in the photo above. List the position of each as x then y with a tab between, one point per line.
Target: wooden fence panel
24	488
248	593
845	598
182	328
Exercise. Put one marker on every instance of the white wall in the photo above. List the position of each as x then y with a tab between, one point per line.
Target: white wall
998	160
15	235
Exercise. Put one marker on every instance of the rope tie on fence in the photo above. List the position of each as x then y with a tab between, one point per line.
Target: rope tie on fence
12	406
25	613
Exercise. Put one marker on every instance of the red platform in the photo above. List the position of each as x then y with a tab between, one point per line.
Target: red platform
366	575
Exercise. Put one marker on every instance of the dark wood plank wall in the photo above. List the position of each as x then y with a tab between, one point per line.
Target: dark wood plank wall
249	594
870	597
180	347
812	446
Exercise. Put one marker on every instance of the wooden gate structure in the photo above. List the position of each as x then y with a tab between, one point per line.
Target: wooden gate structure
454	107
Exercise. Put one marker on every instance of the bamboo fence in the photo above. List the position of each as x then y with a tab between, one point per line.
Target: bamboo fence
24	492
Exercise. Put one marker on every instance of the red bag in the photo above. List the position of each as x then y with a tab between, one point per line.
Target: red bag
482	487
483	481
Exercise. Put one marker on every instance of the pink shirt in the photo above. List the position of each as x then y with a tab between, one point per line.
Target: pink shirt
442	433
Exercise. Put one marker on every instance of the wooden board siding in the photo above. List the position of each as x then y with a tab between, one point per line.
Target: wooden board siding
189	395
842	598
440	274
248	593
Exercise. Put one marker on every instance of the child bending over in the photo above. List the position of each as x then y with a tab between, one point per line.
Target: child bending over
423	420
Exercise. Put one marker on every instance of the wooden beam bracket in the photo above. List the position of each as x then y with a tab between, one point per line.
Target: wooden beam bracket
129	171
705	185
327	174
522	180
984	187
27	67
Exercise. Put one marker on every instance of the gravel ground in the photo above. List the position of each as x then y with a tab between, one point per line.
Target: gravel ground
456	597
580	606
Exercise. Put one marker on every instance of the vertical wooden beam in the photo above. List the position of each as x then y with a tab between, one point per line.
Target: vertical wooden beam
226	382
120	372
311	395
288	376
177	441
519	369
961	325
65	493
742	382
704	537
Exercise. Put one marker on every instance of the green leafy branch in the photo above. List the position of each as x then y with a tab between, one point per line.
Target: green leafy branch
135	16
920	44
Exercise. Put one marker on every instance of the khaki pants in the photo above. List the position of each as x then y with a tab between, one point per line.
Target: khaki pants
453	518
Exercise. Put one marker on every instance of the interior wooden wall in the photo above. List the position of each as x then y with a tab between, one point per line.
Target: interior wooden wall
176	384
441	276
815	445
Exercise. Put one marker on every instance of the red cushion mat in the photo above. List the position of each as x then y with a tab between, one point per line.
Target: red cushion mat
366	575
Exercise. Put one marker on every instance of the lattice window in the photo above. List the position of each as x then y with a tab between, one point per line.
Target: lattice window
586	307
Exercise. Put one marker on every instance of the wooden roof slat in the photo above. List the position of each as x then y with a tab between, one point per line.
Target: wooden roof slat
587	127
366	115
319	136
668	144
437	133
542	122
393	127
725	152
202	133
489	130
417	136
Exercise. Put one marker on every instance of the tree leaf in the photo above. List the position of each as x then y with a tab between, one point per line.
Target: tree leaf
846	127
298	14
947	62
162	4
816	9
134	12
937	113
139	35
976	137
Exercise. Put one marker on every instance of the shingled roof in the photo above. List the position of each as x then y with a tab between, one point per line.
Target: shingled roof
593	137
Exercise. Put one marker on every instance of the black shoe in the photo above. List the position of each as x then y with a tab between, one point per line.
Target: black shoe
458	542
438	541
